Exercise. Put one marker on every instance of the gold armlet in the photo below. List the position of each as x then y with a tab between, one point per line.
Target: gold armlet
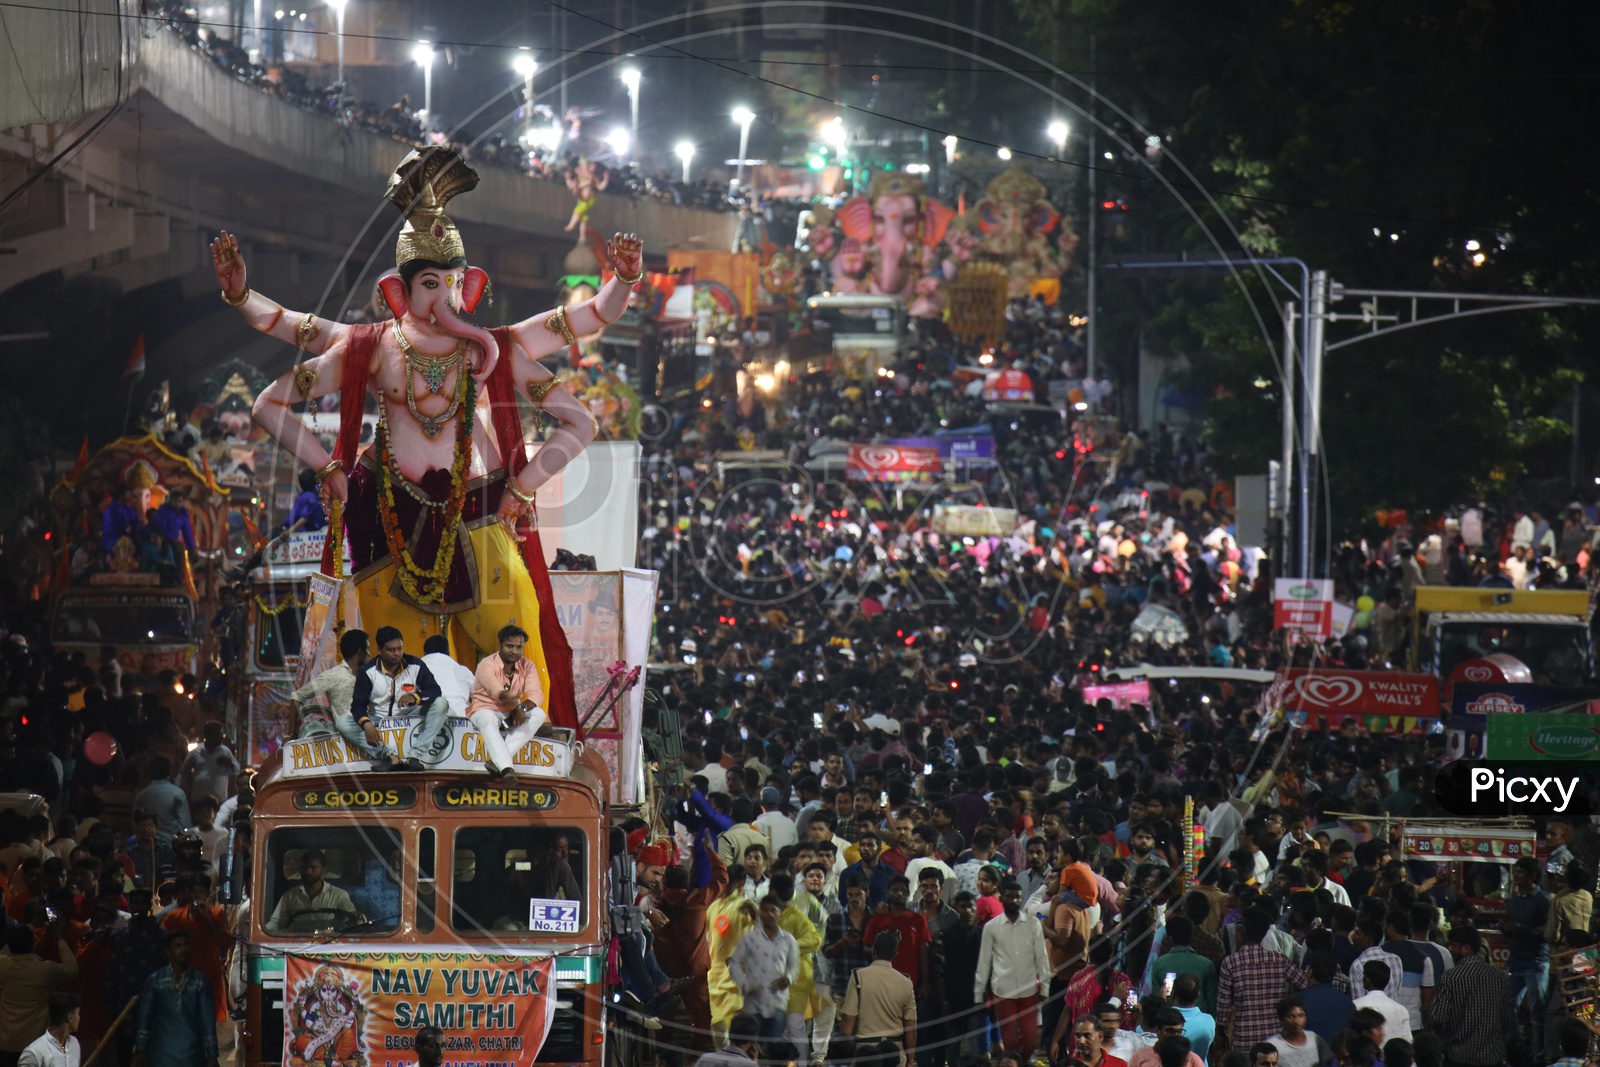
239	303
537	391
305	379
306	330
557	323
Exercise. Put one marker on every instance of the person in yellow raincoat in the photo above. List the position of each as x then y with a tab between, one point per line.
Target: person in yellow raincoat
727	920
796	919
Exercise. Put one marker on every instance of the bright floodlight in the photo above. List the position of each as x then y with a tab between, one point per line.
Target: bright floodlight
743	116
618	140
337	5
684	150
833	132
1004	153
1057	132
524	64
630	78
422	54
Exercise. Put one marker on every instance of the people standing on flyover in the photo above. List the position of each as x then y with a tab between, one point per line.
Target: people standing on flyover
507	695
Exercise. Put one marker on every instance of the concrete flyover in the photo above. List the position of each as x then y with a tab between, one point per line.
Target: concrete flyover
187	148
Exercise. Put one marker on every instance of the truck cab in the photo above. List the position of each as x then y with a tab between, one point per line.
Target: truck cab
869	331
1545	629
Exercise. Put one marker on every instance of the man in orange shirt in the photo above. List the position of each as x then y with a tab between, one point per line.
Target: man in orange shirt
506	694
207	927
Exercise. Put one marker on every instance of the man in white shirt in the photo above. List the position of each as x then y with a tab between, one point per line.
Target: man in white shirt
1014	968
208	770
455	680
56	1047
1396	1017
772	822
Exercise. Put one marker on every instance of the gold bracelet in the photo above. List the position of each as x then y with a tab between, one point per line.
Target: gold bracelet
327	472
537	391
557	323
239	303
525	499
635	280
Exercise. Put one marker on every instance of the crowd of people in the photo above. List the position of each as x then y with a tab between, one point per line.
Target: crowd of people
902	833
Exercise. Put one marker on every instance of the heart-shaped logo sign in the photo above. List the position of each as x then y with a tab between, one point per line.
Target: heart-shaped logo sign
1477	673
1328	692
879	456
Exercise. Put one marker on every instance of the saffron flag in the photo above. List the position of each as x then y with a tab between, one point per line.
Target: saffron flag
135	368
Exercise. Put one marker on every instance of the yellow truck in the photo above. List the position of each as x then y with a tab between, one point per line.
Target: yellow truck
1547	629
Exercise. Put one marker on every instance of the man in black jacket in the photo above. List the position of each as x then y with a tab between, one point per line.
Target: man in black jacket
392	685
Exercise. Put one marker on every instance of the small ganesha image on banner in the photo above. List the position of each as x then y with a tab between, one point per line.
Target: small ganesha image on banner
327	1021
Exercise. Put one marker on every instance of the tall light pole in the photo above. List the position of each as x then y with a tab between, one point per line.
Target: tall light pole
685	152
1057	132
422	54
523	63
630	78
338	16
744	117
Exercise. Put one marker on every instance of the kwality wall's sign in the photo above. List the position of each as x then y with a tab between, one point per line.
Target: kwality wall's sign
1383	701
893	463
1305	605
961	449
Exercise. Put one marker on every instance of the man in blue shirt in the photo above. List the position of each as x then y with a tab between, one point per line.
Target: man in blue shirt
874	874
1328	1008
177	1019
307	512
1198	1026
1528	965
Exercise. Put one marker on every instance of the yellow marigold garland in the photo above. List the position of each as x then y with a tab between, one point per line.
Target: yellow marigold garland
427	586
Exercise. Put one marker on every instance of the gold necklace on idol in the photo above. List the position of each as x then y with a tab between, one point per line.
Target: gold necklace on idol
433	369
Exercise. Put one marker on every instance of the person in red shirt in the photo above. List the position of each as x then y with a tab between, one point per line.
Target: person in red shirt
1087	1050
207	927
94	960
912	958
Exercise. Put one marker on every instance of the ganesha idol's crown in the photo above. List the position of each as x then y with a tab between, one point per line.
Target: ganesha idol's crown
889	183
1017	185
421	185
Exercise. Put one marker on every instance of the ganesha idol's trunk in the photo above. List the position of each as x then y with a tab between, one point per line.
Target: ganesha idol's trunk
892	276
489	351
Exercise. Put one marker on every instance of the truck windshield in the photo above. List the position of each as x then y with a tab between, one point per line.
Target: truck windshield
1557	655
124	620
515	879
845	319
278	631
339	879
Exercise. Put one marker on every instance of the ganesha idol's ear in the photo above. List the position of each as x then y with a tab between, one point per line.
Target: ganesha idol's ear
394	294
473	283
936	220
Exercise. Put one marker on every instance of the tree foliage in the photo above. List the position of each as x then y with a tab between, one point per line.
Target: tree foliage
1376	140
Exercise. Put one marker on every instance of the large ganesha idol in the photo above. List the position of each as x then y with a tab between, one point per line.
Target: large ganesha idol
1015	223
887	243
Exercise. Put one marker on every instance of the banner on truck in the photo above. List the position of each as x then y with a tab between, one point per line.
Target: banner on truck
367	1007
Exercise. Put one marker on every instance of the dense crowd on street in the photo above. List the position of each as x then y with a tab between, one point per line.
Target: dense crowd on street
903	834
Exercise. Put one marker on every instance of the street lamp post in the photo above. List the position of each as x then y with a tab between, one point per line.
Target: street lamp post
744	117
338	16
685	152
525	65
1057	132
422	54
630	78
